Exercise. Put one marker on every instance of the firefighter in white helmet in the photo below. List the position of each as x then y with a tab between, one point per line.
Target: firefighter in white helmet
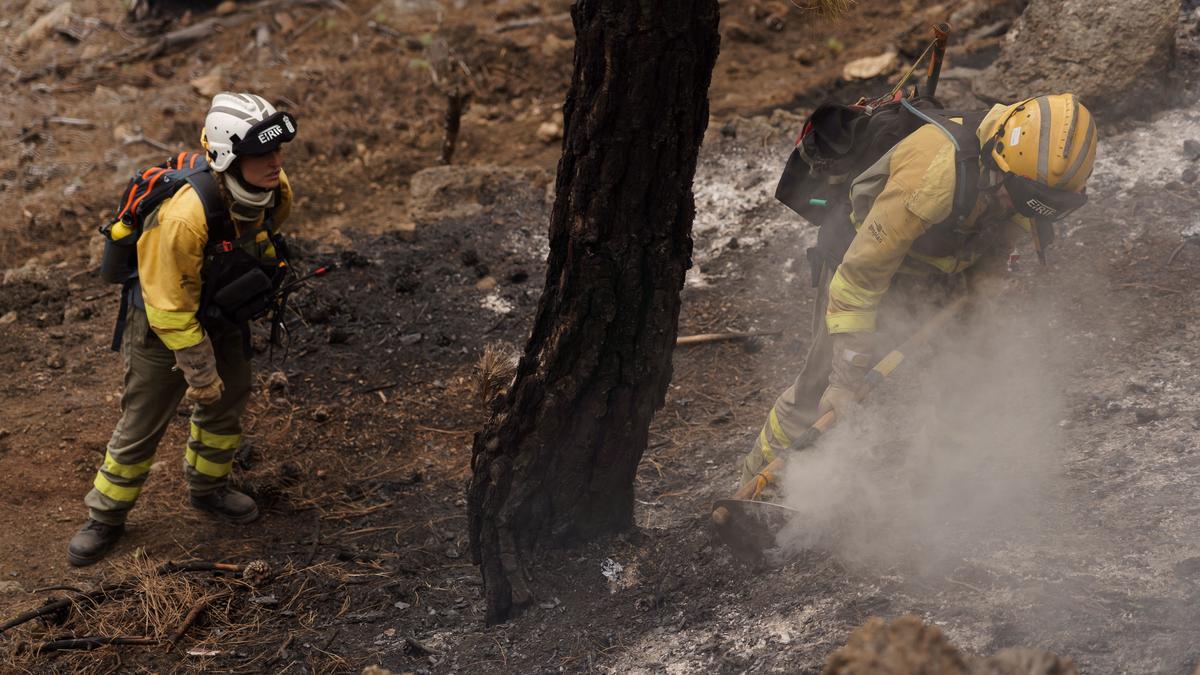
183	336
1036	157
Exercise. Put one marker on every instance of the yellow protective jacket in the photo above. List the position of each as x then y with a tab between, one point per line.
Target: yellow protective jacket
895	203
171	252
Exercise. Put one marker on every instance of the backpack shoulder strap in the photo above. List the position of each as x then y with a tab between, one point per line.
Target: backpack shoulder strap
216	216
966	156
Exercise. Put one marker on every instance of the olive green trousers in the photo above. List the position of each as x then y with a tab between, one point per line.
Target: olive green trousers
153	390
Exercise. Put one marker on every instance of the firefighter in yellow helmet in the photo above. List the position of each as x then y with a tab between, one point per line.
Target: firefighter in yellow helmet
1035	160
199	258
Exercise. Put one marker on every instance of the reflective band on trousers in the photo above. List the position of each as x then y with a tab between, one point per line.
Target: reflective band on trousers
215	441
206	467
113	491
777	429
131	471
764	446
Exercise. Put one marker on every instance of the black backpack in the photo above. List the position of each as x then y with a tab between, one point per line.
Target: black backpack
236	288
838	142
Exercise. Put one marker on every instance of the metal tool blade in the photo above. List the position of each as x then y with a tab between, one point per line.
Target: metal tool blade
750	529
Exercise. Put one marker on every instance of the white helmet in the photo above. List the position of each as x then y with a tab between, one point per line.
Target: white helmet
243	124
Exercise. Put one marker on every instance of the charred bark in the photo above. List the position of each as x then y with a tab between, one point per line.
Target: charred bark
556	462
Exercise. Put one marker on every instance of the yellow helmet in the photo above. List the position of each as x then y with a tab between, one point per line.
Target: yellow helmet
1048	139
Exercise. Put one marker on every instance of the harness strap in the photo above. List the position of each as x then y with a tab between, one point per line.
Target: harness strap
966	157
123	313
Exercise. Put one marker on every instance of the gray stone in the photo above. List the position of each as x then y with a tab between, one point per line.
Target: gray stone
1191	150
498	194
1114	54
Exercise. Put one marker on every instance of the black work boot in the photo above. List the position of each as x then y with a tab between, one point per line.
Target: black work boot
227	504
92	542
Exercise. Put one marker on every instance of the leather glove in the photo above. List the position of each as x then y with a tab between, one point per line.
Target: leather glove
852	356
199	367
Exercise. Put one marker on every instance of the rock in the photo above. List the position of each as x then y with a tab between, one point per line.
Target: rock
44	26
55	361
1148	415
906	646
1189	175
987	31
497	195
376	670
554	46
1191	150
1024	661
806	56
226	8
549	132
77	313
209	85
486	284
965	17
10	317
411	339
277	382
32	270
737	32
1068	45
320	414
870	66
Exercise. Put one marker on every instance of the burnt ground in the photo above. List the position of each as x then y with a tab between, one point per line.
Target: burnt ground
360	439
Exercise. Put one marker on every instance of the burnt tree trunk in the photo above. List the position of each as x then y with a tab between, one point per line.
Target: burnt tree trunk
556	463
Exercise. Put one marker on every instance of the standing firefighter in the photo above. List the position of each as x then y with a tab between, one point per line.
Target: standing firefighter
948	194
208	259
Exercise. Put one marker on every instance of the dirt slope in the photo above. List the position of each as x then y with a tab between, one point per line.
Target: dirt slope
361	445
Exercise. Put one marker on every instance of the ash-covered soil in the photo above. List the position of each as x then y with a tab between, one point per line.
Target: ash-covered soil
1054	508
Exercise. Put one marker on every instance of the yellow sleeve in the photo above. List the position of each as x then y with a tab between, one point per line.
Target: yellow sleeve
919	191
871	261
284	208
170	259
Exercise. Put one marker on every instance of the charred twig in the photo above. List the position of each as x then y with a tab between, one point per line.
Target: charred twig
191	618
456	102
139	138
71	122
706	338
378	387
384	29
281	651
110	590
91	642
59	605
1161	289
1179	249
518	24
199	566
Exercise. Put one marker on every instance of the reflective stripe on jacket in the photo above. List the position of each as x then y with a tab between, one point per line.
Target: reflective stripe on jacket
171	258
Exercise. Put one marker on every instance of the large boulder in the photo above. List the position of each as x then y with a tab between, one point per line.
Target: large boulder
501	195
1115	54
